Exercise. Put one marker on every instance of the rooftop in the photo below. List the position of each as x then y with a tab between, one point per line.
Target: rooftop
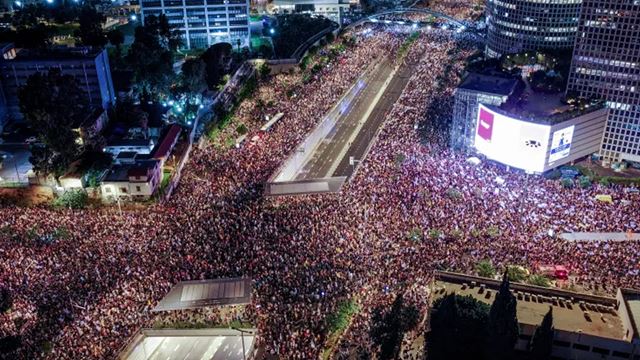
201	293
54	53
492	84
164	147
632	300
534	302
215	344
130	142
121	172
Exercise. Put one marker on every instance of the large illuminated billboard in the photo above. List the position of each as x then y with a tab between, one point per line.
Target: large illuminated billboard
561	143
511	141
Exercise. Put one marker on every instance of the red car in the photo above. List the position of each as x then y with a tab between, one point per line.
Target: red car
558	272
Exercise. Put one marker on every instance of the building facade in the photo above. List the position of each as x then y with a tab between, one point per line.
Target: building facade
331	9
606	64
526	25
586	327
203	23
476	89
131	182
90	67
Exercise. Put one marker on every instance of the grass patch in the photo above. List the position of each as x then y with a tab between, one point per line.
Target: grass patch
166	177
215	128
65	29
337	323
404	48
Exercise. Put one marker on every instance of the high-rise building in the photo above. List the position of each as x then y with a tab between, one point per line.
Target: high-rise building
331	9
527	25
89	66
204	22
606	64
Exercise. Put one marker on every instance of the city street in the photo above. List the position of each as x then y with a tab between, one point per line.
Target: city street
352	119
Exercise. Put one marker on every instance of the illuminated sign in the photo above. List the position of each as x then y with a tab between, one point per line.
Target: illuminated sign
511	141
561	144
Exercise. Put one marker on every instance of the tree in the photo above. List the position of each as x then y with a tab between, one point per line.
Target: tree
388	329
126	112
32	37
6	300
214	63
90	32
193	80
485	269
542	341
264	70
517	273
53	104
151	58
457	320
266	51
116	38
502	327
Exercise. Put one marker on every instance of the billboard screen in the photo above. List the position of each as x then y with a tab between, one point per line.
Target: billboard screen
511	141
561	143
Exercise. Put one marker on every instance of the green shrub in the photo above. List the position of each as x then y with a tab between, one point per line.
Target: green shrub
539	280
72	199
584	182
242	129
567	183
434	233
454	194
493	231
415	234
339	320
517	273
553	174
485	268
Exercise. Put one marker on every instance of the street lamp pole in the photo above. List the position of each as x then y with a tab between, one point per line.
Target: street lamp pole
244	354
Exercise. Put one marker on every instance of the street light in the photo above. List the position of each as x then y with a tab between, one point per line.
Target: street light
244	355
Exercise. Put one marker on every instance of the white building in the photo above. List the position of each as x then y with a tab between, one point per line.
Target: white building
131	182
331	9
203	23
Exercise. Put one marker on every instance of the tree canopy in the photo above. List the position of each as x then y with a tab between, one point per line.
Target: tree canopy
53	104
457	320
151	57
214	63
542	342
502	327
90	32
192	79
388	328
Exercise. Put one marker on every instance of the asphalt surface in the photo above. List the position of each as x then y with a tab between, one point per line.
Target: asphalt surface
360	144
330	151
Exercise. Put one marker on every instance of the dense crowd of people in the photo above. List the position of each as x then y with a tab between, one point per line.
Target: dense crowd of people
84	295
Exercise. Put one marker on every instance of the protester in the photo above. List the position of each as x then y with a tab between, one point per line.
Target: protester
89	290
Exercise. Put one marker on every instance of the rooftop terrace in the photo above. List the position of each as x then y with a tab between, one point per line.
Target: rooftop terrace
569	308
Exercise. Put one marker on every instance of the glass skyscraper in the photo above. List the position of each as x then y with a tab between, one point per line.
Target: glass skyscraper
606	64
527	25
